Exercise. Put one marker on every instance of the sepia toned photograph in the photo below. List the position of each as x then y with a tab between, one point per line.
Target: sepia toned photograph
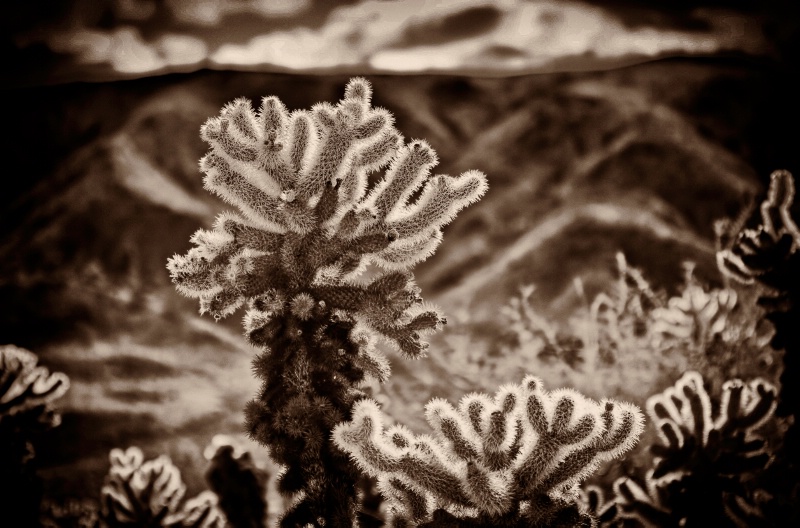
400	263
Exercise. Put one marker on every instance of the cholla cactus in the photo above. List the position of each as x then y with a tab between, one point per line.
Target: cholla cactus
704	468
760	254
238	482
697	316
25	387
27	392
148	494
310	223
606	512
511	460
768	255
623	316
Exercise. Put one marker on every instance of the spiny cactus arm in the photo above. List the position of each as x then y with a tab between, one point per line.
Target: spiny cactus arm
634	502
302	147
745	407
261	208
687	406
407	336
489	454
243	233
369	159
441	199
138	493
406	503
407	172
776	214
756	251
25	386
404	254
201	512
622	425
498	424
373	363
595	503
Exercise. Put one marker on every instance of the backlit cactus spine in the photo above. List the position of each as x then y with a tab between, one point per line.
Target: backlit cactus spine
512	460
310	223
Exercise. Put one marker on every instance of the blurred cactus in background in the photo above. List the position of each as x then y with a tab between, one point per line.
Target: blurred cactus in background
72	513
768	255
705	470
238	482
310	224
140	493
27	392
621	317
511	460
697	316
604	511
530	329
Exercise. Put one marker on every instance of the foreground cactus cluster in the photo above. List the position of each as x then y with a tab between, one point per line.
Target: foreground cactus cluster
511	460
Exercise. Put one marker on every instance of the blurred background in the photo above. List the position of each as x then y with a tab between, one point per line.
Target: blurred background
603	127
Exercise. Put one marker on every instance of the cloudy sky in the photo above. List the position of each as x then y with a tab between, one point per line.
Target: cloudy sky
88	40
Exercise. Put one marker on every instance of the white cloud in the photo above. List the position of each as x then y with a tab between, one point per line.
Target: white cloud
528	35
126	52
541	32
211	12
179	50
